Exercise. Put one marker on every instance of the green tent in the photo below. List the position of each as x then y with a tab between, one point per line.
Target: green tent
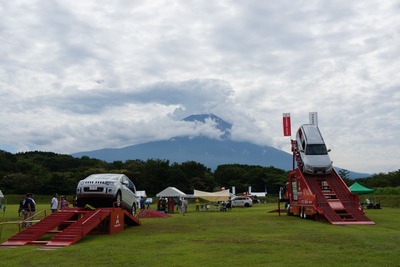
359	189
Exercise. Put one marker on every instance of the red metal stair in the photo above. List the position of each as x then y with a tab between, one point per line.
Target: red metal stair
70	225
335	194
321	195
36	231
80	228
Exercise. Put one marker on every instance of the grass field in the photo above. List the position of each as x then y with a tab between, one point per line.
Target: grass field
240	237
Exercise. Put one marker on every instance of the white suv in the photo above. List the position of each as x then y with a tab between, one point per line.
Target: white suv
107	189
242	201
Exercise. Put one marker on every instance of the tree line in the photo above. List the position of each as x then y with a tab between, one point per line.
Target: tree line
45	173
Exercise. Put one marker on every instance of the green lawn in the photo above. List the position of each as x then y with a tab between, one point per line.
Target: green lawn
241	237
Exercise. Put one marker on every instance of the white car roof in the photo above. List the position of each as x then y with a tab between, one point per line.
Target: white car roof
104	176
312	134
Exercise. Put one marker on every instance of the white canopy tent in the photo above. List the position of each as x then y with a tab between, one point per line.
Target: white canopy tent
171	192
141	193
214	196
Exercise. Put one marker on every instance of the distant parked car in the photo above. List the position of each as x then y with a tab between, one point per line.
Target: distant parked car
242	201
312	150
107	189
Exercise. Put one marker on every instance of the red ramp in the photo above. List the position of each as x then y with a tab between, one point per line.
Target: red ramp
131	220
70	225
148	213
321	196
324	196
335	201
77	230
36	231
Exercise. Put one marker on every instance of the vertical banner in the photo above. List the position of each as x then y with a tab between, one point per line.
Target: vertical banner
286	125
313	118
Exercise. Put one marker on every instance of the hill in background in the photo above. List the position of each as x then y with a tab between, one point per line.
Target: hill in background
210	152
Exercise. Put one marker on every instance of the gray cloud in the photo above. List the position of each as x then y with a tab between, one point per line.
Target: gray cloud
84	75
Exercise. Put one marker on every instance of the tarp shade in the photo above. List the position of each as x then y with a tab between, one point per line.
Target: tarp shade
171	192
214	196
359	189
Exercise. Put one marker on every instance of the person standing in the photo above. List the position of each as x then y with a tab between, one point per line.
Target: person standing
197	203
183	206
33	208
75	201
54	203
21	203
27	208
63	203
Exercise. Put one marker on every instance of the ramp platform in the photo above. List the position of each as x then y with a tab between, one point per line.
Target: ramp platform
68	226
321	197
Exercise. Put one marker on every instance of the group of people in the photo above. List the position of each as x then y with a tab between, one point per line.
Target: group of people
167	205
27	206
61	204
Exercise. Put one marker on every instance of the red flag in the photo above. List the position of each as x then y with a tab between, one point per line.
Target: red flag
286	125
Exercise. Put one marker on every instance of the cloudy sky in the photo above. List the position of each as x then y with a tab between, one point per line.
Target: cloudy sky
85	75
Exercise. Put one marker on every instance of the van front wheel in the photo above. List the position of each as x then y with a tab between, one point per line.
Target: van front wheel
118	199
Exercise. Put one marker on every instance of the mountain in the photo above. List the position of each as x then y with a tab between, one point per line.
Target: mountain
210	152
221	125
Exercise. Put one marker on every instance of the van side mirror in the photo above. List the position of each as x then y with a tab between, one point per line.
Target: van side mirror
329	150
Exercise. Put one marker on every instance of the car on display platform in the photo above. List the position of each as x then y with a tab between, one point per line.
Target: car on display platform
311	148
107	190
242	201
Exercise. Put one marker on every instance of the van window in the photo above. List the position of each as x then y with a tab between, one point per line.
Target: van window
319	149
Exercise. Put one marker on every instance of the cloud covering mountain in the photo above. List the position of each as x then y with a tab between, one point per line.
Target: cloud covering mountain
85	75
209	151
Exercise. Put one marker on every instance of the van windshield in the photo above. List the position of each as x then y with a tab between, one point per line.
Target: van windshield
319	149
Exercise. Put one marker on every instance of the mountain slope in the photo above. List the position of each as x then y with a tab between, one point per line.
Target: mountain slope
207	151
210	152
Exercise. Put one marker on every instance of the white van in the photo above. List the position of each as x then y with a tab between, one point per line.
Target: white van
312	150
105	189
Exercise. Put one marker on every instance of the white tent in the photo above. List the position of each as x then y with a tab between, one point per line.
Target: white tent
141	193
214	196
171	192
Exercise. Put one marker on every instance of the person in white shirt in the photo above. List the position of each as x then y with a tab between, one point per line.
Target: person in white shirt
54	203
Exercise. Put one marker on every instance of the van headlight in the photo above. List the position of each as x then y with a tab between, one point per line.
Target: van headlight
308	167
